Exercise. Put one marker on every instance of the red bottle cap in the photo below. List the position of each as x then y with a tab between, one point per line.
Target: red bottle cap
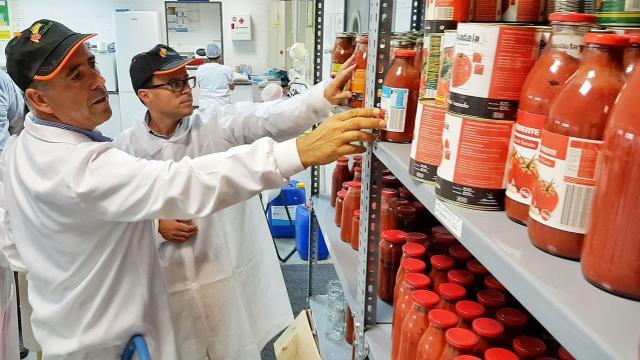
417	281
491	298
406	211
342	193
445	240
460	277
389	179
486	327
572	17
606	39
400	202
443	319
459	252
492	283
634	39
468	309
347	184
425	298
466	357
414	250
499	354
442	262
413	266
405	193
416	237
394	236
389	193
357	157
461	338
563	354
452	292
343	160
355	185
477	268
356	213
403	53
439	230
529	346
511	317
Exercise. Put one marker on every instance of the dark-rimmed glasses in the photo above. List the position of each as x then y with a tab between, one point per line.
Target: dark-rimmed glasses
177	85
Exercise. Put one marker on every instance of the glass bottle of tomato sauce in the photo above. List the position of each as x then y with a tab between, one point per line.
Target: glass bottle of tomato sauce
459	342
388	218
389	262
408	266
359	77
632	54
351	203
415	324
342	51
490	333
611	252
560	59
340	175
433	342
355	230
440	266
450	294
339	202
570	143
411	284
400	98
468	311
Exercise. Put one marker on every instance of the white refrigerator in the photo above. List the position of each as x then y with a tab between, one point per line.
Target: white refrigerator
135	32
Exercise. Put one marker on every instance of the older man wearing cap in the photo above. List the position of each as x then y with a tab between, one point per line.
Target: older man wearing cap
79	211
214	79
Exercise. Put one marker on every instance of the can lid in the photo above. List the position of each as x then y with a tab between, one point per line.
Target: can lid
491	298
476	267
413	265
452	292
461	338
512	317
634	39
460	252
404	53
389	193
394	236
443	319
414	250
492	283
468	309
499	354
563	354
442	262
425	298
406	210
486	327
342	193
418	281
416	237
460	277
466	357
606	39
356	213
529	346
343	159
572	17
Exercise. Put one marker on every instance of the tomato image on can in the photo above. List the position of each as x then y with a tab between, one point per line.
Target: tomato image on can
426	148
446	65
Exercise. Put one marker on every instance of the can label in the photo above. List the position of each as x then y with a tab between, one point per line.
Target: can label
617	6
523	172
358	82
426	148
394	104
457	10
439	26
335	68
490	66
486	10
566	182
621	19
523	10
474	161
446	66
430	66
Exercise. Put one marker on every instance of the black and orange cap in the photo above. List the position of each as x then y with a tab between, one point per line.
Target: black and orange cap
40	51
157	61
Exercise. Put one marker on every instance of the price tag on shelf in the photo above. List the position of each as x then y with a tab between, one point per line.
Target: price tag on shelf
448	219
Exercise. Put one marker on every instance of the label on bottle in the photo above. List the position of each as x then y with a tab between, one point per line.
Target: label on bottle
358	82
523	172
570	42
394	104
335	68
566	182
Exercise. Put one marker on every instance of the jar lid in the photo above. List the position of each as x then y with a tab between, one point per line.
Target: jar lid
634	39
491	298
563	354
492	283
406	210
606	39
460	277
404	53
452	292
512	317
342	193
356	213
414	250
388	193
445	239
443	319
439	230
356	185
425	298
394	236
412	265
400	202
460	252
499	354
486	327
572	17
468	309
442	262
477	268
529	346
416	237
466	357
390	178
417	281
461	338
343	159
347	184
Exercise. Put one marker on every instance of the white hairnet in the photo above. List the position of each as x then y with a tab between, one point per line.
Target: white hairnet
213	50
271	92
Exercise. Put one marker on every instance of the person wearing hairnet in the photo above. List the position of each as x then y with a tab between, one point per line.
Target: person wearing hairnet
214	79
79	212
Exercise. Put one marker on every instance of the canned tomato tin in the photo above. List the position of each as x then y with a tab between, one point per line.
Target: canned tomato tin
439	26
475	151
523	10
486	10
426	148
490	66
618	12
457	10
446	65
430	66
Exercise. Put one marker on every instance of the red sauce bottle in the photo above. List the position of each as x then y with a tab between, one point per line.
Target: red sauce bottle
560	59
478	270
340	175
433	341
388	218
359	77
357	173
468	311
400	98
342	51
632	54
348	332
569	148
339	201
450	294
418	238
514	321
490	332
490	282
460	254
529	347
389	262
406	218
459	342
357	161
563	354
413	284
611	253
463	278
440	266
492	300
415	324
499	354
351	204
408	266
406	194
355	230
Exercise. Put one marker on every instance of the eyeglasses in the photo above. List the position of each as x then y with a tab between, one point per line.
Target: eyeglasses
177	85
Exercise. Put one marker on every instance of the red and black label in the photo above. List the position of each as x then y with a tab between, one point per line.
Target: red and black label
494	109
439	26
470	197
422	172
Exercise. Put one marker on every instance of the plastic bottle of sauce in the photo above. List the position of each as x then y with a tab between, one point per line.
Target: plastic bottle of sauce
560	59
611	253
450	294
468	311
355	230
388	218
400	98
406	305
418	238
570	145
459	342
342	51
440	266
406	218
390	255
500	354
463	278
359	77
632	54
351	204
490	332
460	254
514	321
529	347
339	201
340	175
357	173
490	282
433	342
408	266
415	324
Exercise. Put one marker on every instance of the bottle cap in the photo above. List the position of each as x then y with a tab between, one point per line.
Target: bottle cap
486	327
442	262
499	354
414	250
459	252
572	17
461	277
461	338
606	39
413	265
404	53
425	298
491	298
451	292
529	346
417	280
492	283
511	317
394	236
443	319
468	309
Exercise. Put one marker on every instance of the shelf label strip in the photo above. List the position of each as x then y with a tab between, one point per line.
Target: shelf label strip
448	219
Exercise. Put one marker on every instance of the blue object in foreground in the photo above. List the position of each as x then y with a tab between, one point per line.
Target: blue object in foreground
136	345
302	235
281	211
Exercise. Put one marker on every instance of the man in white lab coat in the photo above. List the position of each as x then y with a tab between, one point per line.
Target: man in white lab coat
79	211
226	289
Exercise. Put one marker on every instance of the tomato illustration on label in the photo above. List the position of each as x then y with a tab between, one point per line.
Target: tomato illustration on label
525	174
461	70
545	198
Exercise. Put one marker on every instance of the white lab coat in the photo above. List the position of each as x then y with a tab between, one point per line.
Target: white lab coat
79	220
9	345
214	81
227	293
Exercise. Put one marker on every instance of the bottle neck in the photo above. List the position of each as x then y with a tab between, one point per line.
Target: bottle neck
603	56
568	38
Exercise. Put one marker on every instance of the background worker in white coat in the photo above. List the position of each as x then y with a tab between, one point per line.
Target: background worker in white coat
228	297
79	211
214	79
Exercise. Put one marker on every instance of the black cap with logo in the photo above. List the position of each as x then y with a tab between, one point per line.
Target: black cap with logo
40	52
157	61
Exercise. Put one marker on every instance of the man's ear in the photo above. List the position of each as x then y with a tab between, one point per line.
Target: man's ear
144	95
38	100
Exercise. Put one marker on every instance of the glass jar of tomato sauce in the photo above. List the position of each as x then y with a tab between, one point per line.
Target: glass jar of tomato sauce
400	98
529	347
632	54
406	218
463	278
405	194
389	262
388	218
440	266
413	250
459	342
490	333
450	294
417	238
611	253
408	266
460	254
355	230
514	321
412	283
560	59
342	50
490	282
570	144
398	43
492	300
479	272
340	175
391	182
351	204
443	241
359	77
415	324
468	311
499	354
339	201
357	173
433	341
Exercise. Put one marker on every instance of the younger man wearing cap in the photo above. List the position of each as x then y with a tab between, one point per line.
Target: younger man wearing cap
226	289
79	211
214	79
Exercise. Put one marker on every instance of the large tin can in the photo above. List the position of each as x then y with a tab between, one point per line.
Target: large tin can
457	10
523	10
618	12
426	148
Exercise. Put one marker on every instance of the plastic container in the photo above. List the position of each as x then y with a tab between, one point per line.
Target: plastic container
341	174
490	332
468	311
415	324
514	321
302	235
351	204
529	347
411	285
433	342
459	342
290	197
440	266
408	266
359	77
389	262
492	300
450	294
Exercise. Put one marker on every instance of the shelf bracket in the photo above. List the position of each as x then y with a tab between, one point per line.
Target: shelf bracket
417	14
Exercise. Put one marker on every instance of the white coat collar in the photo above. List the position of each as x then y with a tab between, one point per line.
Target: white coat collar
53	134
152	143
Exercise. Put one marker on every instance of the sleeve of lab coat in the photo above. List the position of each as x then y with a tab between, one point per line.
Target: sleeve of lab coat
283	119
119	187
